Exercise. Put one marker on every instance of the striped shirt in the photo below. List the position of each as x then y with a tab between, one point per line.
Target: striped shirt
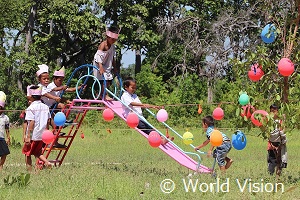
210	129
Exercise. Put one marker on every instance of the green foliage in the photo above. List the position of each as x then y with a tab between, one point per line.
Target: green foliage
14	143
21	180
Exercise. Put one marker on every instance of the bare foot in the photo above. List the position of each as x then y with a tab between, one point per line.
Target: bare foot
48	165
108	98
228	164
165	141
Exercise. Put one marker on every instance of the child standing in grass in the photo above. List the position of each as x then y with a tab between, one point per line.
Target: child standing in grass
277	151
130	99
4	129
37	117
221	151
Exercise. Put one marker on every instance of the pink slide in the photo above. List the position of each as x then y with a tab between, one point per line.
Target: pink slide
170	149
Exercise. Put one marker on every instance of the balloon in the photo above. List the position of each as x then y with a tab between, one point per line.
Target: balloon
108	114
187	138
255	73
216	138
154	139
255	121
47	136
199	109
2	96
218	113
82	135
162	115
132	120
239	140
244	99
247	111
286	67
268	34
59	119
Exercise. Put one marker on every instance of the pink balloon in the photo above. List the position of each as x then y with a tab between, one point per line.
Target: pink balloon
286	67
47	136
255	73
162	115
132	120
154	139
218	113
108	114
255	121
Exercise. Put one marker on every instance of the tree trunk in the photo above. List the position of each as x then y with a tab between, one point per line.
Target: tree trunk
138	61
209	92
29	32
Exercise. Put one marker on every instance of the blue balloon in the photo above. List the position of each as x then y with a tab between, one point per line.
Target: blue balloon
59	119
268	34
239	140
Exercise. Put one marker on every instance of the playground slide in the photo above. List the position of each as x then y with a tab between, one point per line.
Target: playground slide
171	150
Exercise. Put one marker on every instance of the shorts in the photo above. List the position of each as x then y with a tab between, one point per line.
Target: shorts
34	148
144	127
4	150
221	153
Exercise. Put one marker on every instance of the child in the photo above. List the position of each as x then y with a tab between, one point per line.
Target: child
56	87
37	117
104	59
129	98
44	80
47	97
4	129
222	150
277	152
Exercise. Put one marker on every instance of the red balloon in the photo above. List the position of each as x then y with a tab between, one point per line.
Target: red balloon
255	121
108	114
218	113
132	120
255	73
247	111
286	67
47	136
154	139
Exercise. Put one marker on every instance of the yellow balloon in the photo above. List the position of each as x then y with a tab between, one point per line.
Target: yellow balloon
2	96
187	138
216	138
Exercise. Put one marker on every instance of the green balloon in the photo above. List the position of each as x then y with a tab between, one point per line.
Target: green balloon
244	99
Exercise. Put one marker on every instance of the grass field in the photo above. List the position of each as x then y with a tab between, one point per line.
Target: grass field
121	165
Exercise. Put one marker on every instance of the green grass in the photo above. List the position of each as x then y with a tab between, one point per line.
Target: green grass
122	165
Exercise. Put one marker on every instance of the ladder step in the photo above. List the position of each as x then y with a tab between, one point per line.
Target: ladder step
66	136
55	148
54	161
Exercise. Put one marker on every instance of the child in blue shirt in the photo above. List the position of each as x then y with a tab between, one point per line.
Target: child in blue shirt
221	151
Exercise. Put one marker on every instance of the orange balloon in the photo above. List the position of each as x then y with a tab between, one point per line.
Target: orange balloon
216	138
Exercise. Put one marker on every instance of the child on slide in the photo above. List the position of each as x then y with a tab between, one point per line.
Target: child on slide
132	100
